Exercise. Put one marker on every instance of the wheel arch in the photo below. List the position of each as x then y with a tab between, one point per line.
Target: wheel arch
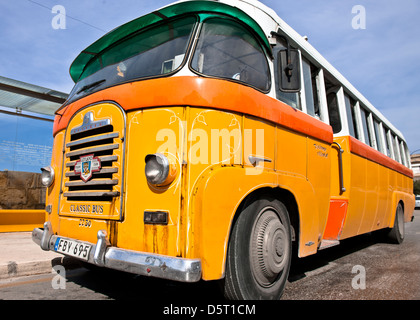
283	195
407	204
217	203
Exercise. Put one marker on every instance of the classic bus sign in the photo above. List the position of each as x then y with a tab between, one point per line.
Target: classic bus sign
86	166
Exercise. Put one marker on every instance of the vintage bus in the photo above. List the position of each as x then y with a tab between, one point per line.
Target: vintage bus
208	140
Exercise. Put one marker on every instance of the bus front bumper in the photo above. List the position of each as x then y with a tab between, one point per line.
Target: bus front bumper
142	263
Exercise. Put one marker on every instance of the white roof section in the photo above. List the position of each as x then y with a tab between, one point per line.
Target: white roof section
269	21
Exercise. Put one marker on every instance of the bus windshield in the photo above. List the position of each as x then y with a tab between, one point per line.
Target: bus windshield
227	50
153	52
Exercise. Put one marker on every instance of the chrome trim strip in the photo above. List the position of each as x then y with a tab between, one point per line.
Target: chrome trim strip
92	150
93	139
142	263
102	171
103	159
91	183
255	160
91	194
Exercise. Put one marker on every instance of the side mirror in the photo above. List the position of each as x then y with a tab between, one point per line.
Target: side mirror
289	70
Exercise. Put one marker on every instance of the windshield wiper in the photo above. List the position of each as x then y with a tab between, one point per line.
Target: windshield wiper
91	85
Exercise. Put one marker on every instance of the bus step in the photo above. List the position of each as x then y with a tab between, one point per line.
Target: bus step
328	244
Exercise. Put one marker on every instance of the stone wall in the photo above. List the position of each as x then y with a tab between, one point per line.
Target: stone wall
21	190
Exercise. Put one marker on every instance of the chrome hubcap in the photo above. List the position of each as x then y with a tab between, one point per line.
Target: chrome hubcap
269	248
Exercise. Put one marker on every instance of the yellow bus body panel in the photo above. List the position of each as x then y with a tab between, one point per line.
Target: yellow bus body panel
373	192
213	150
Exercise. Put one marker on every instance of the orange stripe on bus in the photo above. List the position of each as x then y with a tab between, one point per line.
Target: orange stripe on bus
205	93
365	151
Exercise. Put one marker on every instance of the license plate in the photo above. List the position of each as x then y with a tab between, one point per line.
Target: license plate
73	248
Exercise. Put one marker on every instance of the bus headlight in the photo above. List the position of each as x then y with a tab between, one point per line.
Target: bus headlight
159	170
47	176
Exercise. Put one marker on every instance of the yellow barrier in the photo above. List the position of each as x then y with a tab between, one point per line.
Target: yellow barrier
21	220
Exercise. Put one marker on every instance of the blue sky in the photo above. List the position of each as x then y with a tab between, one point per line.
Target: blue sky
381	61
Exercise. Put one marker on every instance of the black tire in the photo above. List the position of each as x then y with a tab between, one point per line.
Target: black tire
397	233
259	252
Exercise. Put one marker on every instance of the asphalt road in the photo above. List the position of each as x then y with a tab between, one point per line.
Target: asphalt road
362	268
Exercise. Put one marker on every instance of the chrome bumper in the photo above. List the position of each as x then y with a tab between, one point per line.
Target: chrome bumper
142	263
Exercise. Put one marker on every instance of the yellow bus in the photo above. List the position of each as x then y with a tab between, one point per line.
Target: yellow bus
208	140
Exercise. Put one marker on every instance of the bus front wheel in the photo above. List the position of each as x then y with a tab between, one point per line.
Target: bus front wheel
259	252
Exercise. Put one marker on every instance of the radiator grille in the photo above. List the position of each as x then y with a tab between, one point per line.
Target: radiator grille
103	143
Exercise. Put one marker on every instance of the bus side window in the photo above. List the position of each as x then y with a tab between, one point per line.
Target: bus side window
378	134
407	155
396	149
403	158
387	147
391	145
365	126
351	116
397	146
309	73
333	112
332	104
355	119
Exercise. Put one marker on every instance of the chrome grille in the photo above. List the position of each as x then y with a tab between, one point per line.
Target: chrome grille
102	143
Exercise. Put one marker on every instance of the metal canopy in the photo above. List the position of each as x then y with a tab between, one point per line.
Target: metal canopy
22	96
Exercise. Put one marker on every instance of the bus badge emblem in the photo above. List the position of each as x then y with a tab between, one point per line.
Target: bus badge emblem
86	166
